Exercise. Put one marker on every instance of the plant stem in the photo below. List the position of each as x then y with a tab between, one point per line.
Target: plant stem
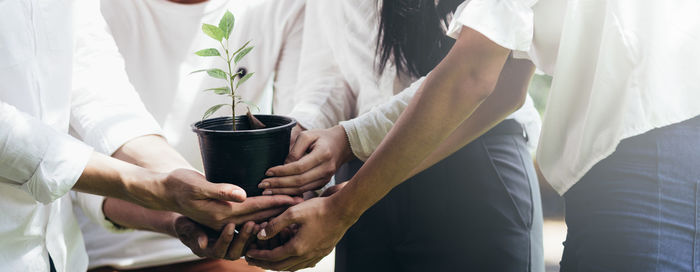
230	81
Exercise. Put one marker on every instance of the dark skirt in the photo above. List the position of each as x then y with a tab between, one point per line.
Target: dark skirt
477	210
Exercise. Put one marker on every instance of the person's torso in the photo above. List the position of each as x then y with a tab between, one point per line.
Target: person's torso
158	40
620	69
36	51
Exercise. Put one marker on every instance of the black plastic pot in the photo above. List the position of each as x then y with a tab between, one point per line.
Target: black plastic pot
242	157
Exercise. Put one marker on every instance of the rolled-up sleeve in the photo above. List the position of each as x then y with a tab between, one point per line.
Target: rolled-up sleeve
44	162
367	131
508	23
106	111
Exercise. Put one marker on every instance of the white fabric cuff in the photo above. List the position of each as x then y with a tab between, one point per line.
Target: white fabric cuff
92	208
60	168
361	152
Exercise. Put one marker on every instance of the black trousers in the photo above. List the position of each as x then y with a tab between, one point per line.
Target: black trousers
472	211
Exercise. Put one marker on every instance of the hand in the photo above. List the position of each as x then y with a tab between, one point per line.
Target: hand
321	224
311	163
208	243
212	204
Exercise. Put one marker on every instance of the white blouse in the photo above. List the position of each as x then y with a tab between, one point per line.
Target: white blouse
48	82
157	39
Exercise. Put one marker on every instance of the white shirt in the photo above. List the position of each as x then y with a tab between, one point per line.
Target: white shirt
39	161
620	68
158	39
340	79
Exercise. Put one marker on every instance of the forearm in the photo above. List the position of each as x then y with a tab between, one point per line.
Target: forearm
130	215
111	177
154	153
508	96
450	94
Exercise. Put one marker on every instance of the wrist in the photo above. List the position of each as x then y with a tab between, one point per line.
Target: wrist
345	206
144	187
168	224
346	153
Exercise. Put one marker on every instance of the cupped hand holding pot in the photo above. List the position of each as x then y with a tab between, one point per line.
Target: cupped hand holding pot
313	159
217	204
206	243
320	224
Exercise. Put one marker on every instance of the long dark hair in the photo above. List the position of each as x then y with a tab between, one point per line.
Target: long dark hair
412	35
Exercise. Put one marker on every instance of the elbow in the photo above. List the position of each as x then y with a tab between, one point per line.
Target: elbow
476	88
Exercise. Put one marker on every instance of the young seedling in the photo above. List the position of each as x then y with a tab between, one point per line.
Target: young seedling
221	34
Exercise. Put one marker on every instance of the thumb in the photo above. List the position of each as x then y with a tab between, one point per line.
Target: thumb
276	225
225	192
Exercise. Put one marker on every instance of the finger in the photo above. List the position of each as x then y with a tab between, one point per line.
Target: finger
223	191
260	216
222	244
301	146
254	204
237	248
320	170
311	186
277	224
313	159
192	235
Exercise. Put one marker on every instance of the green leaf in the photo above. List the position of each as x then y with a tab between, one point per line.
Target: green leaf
212	110
209	52
213	32
242	47
217	73
226	24
244	79
248	103
198	71
221	90
242	54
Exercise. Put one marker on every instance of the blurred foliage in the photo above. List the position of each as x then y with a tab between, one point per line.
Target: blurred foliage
539	90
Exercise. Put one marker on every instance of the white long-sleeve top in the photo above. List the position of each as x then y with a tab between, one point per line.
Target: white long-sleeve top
158	39
338	79
620	69
41	95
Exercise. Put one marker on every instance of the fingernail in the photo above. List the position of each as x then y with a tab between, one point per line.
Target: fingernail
269	173
231	231
264	185
202	242
262	234
239	192
267	192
